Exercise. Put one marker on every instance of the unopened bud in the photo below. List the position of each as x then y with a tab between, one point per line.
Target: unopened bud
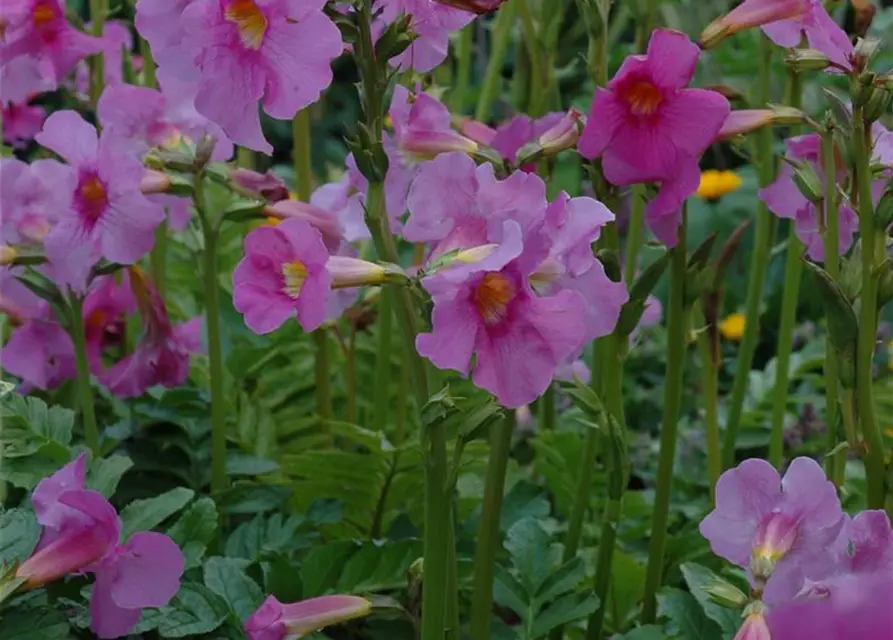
808	182
884	274
563	135
801	60
475	254
865	50
862	88
755	626
395	39
420	145
352	272
477	131
203	151
7	254
263	186
725	593
154	182
744	121
878	104
748	15
479	7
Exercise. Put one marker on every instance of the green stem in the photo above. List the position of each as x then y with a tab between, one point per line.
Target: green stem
351	373
634	234
149	66
99	9
321	367
834	466
215	354
382	382
500	35
436	538
676	342
710	391
583	493
792	271
759	262
158	257
539	84
547	409
463	73
85	391
245	158
453	622
874	454
488	527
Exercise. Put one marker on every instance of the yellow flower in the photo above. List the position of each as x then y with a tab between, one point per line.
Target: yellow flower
732	328
715	184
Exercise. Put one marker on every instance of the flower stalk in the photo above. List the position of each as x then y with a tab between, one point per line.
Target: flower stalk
99	9
708	348
500	37
85	392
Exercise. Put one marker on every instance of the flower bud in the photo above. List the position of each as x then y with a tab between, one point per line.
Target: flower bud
801	60
203	151
323	221
420	145
748	14
352	272
479	7
865	50
862	88
878	104
744	121
883	213
563	135
154	182
7	254
884	282
396	39
263	186
477	131
755	626
725	593
808	183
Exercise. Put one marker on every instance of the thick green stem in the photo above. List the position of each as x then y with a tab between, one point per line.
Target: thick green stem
834	465
437	538
792	272
603	564
322	369
874	453
382	382
710	392
82	364
634	234
539	85
463	72
99	10
488	527
759	262
676	342
500	36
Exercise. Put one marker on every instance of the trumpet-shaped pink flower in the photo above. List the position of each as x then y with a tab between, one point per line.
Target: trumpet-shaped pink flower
423	127
243	52
162	355
80	534
107	215
648	127
283	274
489	310
40	352
38	47
785	200
21	122
786	524
432	22
30	199
274	620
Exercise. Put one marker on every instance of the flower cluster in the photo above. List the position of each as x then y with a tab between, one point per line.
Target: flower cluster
81	533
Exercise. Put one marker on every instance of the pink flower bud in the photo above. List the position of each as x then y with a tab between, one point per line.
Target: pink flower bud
154	182
417	144
277	620
749	14
266	186
479	7
755	626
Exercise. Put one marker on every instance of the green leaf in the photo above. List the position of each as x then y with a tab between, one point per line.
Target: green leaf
564	579
144	515
224	576
648	632
508	592
195	529
252	539
105	474
19	532
323	565
378	567
687	620
524	500
252	498
567	609
627	588
696	577
33	624
244	465
193	611
532	553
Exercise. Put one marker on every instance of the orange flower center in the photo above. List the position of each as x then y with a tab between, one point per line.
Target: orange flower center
93	197
43	13
643	97
492	297
294	273
249	19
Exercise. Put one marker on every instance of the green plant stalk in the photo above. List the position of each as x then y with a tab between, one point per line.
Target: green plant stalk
835	465
793	270
673	382
539	84
710	392
547	409
382	382
501	35
244	158
453	622
488	526
582	494
463	71
99	10
759	262
874	454
634	234
82	365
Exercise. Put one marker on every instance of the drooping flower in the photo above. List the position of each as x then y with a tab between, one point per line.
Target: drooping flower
275	620
647	126
107	215
432	21
785	200
715	183
162	355
21	122
40	352
755	626
423	127
240	53
479	7
780	528
38	48
30	199
80	534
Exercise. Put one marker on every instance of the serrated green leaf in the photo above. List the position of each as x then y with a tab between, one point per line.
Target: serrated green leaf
322	566
565	610
193	611
565	578
510	593
225	577
33	624
533	555
627	588
145	515
195	529
524	500
375	568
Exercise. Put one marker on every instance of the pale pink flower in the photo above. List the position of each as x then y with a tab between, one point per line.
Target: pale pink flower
432	22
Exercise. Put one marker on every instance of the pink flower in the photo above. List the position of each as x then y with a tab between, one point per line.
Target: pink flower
782	527
80	534
515	133
30	199
105	312
162	355
489	310
18	301
242	52
423	127
107	215
648	127
274	620
21	122
38	48
332	210
755	627
432	22
263	186
40	352
282	274
785	200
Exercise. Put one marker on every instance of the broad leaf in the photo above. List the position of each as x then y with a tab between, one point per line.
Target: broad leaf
322	566
378	567
19	532
104	474
567	609
696	577
532	553
225	577
687	620
193	611
195	529
33	624
627	588
144	515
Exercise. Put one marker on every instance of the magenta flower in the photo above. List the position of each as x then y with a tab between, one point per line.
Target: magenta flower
263	186
282	274
423	127
162	355
648	127
39	48
105	317
240	53
21	122
40	352
80	534
274	620
488	309
432	22
785	200
515	133
30	199
107	214
783	525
